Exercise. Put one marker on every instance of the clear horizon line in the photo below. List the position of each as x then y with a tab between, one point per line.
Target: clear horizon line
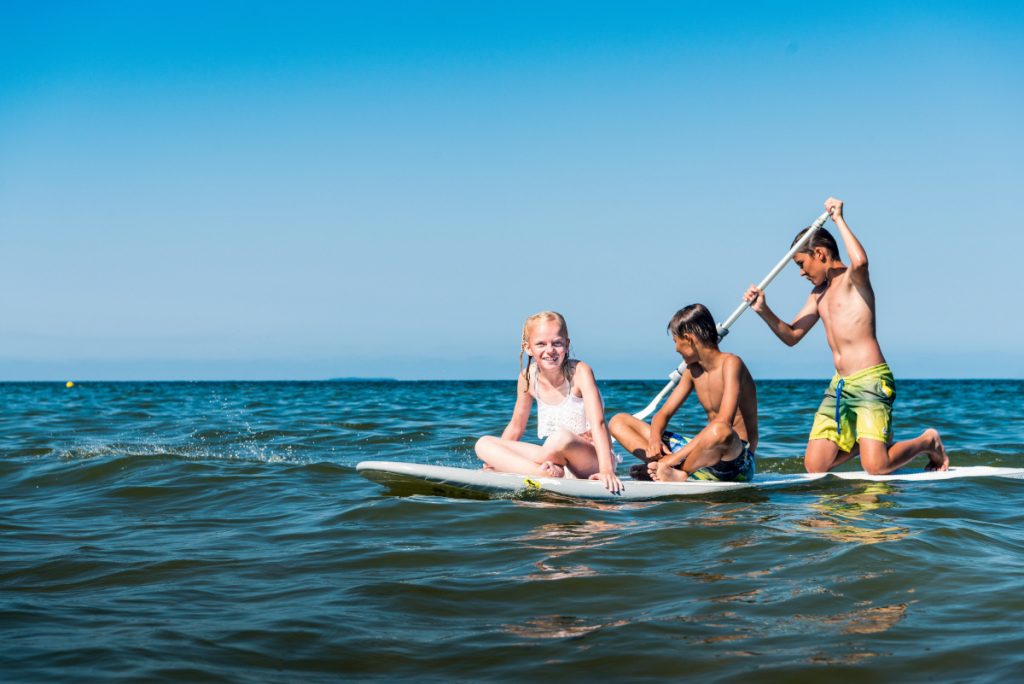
502	379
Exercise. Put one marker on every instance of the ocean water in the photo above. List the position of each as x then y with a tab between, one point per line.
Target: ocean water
218	532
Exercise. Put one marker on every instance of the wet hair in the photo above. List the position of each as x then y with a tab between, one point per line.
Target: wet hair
563	330
822	239
696	320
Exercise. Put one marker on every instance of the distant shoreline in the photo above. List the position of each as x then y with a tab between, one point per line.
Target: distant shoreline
357	379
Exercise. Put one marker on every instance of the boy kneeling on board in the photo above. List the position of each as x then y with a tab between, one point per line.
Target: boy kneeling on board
855	415
724	449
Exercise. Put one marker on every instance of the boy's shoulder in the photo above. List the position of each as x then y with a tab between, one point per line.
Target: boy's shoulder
729	363
733	360
841	277
733	365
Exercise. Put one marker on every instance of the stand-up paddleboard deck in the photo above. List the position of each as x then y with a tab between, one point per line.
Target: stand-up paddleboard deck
445	481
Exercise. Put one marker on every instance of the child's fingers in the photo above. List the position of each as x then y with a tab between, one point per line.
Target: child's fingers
612	483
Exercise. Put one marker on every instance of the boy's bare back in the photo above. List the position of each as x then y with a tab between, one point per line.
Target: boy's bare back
710	386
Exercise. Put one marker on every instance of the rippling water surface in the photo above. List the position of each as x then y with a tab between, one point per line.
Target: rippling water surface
219	532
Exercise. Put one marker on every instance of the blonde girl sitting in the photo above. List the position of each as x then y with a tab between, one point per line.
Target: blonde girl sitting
570	412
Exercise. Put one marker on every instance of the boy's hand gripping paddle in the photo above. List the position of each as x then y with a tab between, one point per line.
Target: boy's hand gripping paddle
723	328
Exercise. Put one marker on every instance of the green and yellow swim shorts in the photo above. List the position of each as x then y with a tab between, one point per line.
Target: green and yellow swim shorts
857	406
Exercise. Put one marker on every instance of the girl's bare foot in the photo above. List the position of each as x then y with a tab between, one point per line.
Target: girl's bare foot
938	459
549	469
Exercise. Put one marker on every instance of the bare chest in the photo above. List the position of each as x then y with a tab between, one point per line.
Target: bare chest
848	314
709	392
840	301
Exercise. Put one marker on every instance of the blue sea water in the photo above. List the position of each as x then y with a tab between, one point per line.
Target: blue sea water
218	532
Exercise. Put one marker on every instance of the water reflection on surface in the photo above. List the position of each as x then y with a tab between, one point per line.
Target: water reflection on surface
559	627
848	517
562	539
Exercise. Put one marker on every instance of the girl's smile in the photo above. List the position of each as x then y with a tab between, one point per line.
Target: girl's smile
547	345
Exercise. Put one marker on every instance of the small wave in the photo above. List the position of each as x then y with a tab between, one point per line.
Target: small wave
122	453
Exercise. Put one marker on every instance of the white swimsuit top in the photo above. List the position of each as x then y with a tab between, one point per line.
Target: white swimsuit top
568	414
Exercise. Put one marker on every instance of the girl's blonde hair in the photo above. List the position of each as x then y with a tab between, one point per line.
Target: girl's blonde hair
550	316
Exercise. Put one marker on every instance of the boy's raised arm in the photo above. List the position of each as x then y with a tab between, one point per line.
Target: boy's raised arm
854	250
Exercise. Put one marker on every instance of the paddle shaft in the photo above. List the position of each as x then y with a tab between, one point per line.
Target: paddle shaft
723	328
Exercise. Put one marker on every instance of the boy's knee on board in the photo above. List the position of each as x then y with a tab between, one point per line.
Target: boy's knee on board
874	457
821	454
814	463
874	467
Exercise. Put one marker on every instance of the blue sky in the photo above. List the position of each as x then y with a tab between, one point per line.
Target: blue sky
313	190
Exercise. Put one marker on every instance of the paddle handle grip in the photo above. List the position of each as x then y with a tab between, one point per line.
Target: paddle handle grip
723	328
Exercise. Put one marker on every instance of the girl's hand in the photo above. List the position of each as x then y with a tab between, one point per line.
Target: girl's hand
610	481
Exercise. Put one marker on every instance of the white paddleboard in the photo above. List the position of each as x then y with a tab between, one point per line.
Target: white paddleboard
954	472
449	481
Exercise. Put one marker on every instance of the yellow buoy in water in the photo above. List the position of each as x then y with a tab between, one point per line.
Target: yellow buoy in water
69	384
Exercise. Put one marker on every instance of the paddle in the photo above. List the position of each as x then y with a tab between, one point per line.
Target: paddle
723	328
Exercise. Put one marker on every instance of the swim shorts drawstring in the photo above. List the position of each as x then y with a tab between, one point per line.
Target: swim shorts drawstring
839	400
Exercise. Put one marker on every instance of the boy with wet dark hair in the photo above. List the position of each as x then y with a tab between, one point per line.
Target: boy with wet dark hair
855	416
724	449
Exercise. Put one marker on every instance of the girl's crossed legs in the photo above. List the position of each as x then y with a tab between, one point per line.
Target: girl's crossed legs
561	449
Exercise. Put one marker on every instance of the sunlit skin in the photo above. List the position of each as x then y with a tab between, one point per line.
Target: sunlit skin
842	297
588	455
726	391
548	348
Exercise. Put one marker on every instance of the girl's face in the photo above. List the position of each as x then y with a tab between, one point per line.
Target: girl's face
547	345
